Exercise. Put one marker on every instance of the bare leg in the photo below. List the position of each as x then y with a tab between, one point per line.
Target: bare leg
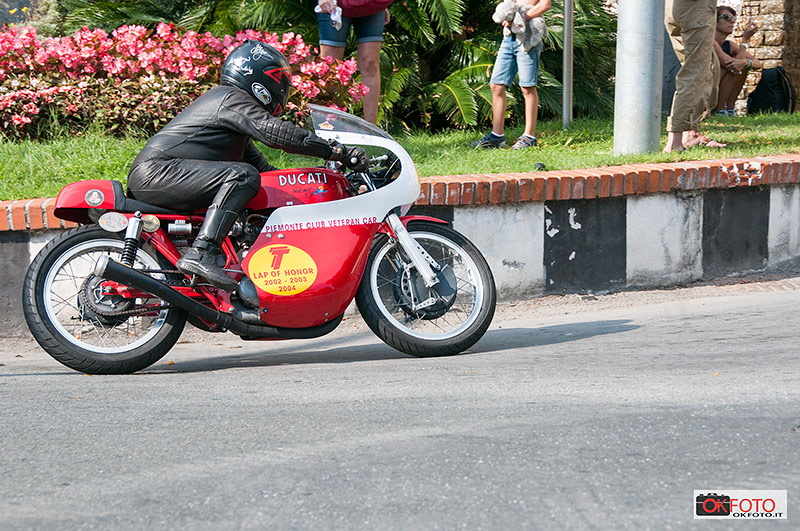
498	108
531	95
729	88
674	142
337	52
369	63
730	84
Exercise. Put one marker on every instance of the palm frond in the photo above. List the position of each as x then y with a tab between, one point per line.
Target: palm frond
392	88
474	72
550	92
198	17
447	14
412	19
455	99
395	83
270	14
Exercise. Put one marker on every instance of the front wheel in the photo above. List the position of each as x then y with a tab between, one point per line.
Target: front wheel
443	320
82	324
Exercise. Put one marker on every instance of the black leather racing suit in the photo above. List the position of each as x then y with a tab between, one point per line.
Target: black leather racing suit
205	155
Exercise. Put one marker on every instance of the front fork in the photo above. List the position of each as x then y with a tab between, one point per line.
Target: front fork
422	261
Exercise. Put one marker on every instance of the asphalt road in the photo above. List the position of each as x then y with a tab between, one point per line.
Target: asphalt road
572	413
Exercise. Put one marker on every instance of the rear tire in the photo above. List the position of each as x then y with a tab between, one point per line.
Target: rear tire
57	286
465	295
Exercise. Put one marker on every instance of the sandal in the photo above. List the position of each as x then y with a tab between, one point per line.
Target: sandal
704	141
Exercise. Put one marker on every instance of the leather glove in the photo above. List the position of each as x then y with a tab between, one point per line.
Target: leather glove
353	157
356	159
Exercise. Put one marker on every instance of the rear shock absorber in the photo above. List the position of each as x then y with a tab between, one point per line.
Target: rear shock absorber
132	234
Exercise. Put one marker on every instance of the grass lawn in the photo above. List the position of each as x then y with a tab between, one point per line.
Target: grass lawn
33	169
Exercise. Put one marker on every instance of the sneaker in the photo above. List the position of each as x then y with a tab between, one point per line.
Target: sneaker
525	141
490	141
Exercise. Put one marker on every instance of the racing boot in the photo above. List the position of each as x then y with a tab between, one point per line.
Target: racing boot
201	258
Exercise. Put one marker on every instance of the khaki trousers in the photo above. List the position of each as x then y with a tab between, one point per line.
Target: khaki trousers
691	25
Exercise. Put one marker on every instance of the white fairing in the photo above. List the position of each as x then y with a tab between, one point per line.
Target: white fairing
350	130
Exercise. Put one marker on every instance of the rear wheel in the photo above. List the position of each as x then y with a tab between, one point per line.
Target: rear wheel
443	320
83	325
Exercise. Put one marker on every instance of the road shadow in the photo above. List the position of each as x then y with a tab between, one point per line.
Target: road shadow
512	338
338	350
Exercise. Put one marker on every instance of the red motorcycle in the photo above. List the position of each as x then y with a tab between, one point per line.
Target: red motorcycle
106	297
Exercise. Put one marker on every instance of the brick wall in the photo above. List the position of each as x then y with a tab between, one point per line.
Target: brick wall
777	42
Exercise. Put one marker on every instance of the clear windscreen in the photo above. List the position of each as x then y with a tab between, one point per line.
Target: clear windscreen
331	120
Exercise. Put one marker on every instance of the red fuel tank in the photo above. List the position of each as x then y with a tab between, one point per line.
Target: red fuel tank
299	186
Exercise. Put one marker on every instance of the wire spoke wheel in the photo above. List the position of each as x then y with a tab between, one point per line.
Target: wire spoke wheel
444	319
74	300
84	323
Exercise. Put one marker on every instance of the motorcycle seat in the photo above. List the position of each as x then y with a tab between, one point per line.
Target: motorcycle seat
123	203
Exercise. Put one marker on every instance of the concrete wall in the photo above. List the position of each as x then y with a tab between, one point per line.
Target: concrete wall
14	260
665	232
511	237
612	244
578	246
784	224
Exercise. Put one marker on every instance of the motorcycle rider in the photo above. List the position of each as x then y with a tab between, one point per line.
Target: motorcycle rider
204	157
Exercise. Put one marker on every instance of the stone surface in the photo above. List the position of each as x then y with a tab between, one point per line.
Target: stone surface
778	41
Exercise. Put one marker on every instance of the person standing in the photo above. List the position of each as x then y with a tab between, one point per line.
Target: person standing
512	57
369	36
691	25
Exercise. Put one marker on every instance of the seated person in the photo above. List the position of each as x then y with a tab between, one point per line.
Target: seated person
735	60
205	157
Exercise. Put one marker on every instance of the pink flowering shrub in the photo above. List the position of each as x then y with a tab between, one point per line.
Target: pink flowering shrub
24	111
138	79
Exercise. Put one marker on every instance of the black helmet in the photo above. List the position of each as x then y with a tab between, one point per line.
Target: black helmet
262	71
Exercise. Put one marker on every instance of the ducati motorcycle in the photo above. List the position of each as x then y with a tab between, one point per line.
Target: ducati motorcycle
107	298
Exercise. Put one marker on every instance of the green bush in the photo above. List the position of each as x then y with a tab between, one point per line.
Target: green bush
435	56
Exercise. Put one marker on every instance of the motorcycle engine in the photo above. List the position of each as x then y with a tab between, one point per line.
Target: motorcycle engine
247	293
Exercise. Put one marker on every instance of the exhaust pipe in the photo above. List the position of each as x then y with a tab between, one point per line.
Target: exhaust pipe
111	270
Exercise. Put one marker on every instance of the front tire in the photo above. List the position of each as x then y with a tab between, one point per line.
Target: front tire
390	294
80	326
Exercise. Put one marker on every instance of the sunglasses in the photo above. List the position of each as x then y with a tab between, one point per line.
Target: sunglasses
727	16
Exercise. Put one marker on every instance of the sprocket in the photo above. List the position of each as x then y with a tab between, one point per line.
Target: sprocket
110	308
